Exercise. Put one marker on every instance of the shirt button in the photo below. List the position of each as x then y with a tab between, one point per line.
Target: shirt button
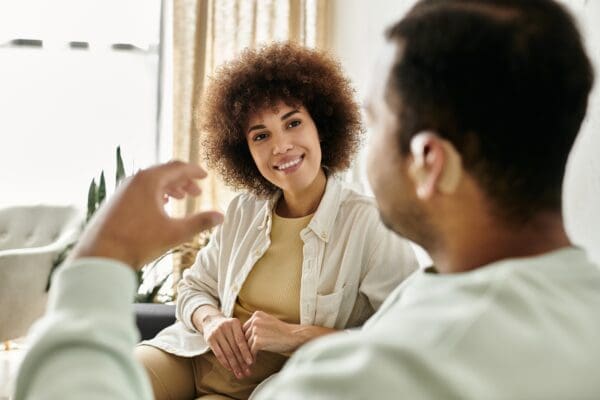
235	288
324	235
257	253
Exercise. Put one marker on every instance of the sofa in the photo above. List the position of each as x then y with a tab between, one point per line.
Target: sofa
152	318
31	237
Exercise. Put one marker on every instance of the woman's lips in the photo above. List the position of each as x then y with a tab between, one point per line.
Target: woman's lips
290	166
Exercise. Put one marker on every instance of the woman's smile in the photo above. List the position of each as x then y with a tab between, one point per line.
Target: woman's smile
289	164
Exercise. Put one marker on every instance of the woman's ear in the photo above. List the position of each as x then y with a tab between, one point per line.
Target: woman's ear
435	165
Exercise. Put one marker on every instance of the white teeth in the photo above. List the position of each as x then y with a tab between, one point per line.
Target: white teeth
288	164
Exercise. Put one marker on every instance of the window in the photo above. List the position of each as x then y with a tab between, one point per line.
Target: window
79	78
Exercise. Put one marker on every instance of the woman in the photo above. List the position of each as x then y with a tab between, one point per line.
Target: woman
298	256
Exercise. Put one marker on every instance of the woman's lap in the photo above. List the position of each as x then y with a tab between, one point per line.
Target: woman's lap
181	378
171	376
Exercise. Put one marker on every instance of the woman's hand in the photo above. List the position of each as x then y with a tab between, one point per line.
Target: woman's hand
265	332
226	339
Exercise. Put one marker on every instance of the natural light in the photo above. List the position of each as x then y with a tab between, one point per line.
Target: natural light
79	79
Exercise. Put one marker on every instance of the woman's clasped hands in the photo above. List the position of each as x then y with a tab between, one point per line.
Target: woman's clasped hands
235	345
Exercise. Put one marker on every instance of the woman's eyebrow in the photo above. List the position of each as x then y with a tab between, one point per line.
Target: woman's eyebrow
255	127
283	117
289	114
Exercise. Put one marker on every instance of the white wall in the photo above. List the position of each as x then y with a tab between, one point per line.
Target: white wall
357	37
582	183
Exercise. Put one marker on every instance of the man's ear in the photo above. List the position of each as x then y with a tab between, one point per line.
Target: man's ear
435	165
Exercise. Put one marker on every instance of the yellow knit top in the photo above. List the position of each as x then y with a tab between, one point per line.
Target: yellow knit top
273	285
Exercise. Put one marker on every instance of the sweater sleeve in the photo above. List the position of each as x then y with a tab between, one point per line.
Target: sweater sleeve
83	346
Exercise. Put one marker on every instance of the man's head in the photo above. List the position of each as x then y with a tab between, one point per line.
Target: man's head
498	87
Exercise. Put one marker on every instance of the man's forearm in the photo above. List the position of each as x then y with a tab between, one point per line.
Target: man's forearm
88	331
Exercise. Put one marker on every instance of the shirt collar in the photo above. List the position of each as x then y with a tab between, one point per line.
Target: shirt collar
322	222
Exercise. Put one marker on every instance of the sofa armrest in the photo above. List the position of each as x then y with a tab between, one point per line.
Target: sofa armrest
152	318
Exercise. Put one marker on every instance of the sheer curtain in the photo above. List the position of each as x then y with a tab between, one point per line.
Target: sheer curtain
207	33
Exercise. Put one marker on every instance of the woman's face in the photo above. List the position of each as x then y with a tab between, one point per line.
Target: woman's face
284	144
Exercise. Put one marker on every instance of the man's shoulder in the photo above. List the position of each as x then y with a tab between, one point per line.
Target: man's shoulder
361	365
464	336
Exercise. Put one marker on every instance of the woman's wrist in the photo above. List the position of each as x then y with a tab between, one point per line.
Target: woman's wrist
203	316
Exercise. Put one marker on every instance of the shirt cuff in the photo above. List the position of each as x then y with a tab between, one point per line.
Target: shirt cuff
93	285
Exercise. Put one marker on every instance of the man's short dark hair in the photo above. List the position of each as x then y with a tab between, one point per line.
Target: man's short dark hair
506	82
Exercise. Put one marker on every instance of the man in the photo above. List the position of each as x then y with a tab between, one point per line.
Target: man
474	119
478	108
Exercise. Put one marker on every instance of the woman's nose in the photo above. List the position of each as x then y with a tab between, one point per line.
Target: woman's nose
281	145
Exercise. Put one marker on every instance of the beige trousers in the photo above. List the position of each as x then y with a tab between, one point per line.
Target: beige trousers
181	378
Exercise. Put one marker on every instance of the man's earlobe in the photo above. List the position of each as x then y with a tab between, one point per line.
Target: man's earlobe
435	165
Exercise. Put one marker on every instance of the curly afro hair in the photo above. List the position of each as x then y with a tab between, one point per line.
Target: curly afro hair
261	78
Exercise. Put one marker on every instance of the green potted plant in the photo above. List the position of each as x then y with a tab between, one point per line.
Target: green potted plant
149	284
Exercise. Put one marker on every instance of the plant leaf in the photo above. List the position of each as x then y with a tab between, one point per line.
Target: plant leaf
101	189
120	169
92	200
60	258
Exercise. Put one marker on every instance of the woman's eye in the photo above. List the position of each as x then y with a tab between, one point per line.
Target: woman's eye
294	123
259	137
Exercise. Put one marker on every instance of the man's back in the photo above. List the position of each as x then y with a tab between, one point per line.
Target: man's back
517	329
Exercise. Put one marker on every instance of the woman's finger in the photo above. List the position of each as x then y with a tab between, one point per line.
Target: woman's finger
232	358
241	362
242	344
254	348
218	352
247	324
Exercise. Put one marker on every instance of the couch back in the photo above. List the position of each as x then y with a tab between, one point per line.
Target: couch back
24	227
31	237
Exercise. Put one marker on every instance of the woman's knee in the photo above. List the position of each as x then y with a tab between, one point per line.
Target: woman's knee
171	376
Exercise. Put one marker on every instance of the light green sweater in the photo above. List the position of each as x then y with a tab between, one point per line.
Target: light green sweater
517	329
83	347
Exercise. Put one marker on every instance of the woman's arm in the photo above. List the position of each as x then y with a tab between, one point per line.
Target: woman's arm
199	285
199	302
391	261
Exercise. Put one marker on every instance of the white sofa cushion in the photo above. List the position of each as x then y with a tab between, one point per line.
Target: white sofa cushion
31	237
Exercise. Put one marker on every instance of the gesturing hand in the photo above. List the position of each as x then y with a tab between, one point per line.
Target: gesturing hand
133	226
226	340
265	332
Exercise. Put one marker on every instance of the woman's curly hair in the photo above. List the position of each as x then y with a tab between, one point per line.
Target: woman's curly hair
261	78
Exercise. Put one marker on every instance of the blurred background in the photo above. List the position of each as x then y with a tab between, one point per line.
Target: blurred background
81	77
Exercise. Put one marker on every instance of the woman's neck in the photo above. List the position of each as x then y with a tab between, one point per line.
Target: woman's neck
303	203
